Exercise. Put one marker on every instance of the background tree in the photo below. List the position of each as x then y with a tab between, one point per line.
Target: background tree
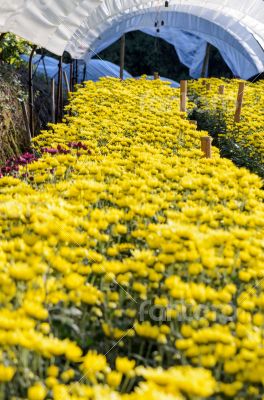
146	54
11	48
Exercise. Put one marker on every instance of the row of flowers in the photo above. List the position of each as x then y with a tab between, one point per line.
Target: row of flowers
242	141
131	267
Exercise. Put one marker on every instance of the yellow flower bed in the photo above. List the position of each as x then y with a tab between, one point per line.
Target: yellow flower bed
244	139
131	267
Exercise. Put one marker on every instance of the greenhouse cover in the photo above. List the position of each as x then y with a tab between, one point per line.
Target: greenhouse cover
84	27
94	70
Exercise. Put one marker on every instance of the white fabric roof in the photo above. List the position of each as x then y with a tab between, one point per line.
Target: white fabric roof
245	58
77	25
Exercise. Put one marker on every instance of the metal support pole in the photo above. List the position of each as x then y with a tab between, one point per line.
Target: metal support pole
122	56
66	82
205	69
59	92
84	71
53	101
31	91
72	76
76	72
45	70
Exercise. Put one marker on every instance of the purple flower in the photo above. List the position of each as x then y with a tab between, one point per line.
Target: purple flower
50	151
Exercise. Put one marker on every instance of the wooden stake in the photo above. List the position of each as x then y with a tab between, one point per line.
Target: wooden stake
221	89
122	56
240	96
193	122
206	146
156	76
53	101
183	100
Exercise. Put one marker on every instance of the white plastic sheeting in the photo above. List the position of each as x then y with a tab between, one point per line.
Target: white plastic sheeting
78	25
191	50
95	69
226	13
189	34
173	84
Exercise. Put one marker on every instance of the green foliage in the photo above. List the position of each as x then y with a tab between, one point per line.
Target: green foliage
13	137
11	47
213	121
146	54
